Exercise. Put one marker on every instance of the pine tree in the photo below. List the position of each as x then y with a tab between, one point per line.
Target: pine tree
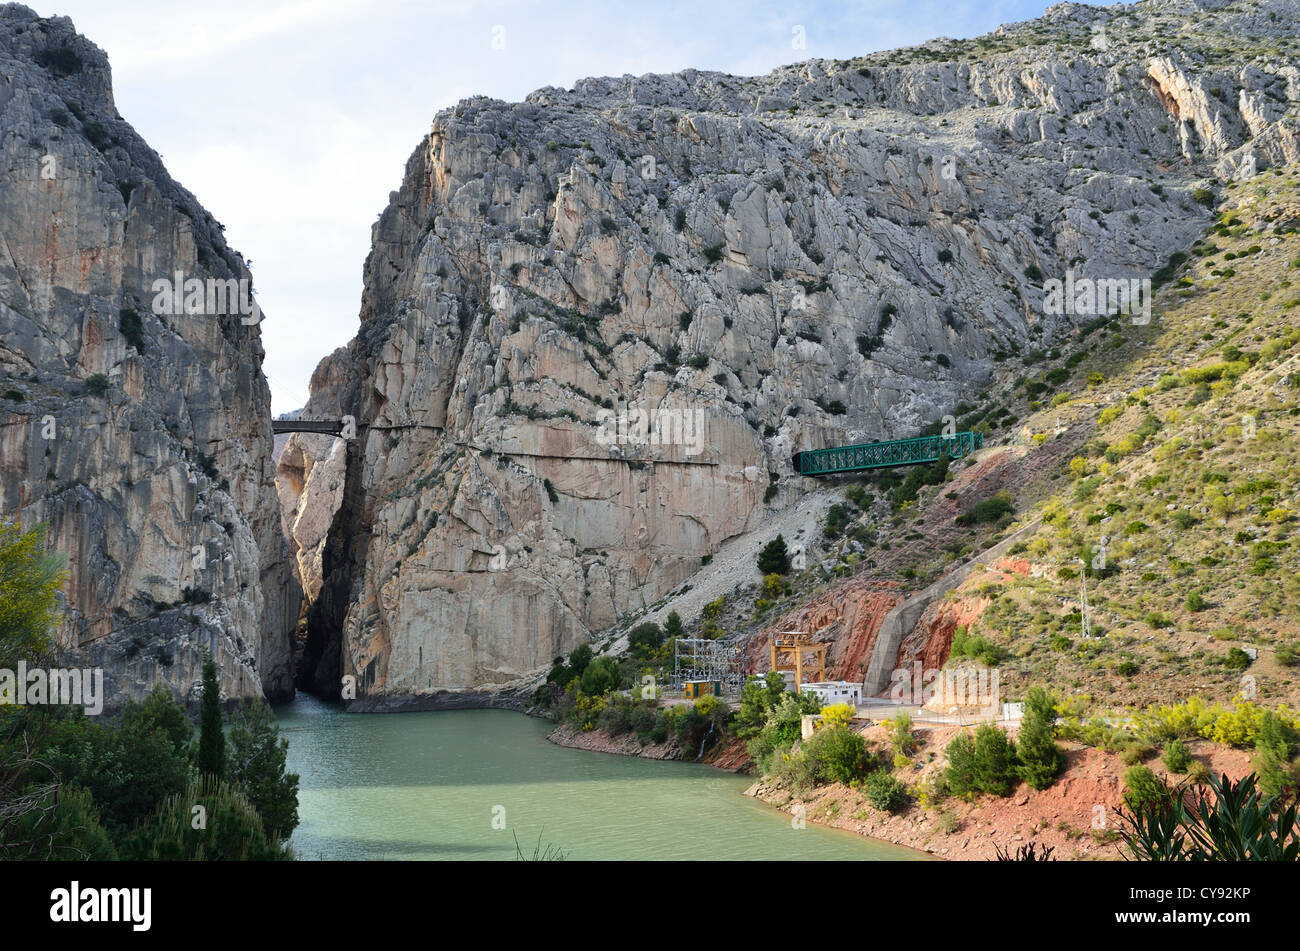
257	761
994	755
774	559
960	773
673	626
1041	760
212	742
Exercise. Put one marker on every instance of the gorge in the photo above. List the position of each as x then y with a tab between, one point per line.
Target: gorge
834	252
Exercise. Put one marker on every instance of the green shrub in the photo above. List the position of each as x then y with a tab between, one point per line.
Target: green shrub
781	730
643	720
858	495
1275	757
644	639
1236	659
980	765
616	718
659	732
97	133
1177	756
601	676
60	60
975	647
838	753
132	328
1144	790
65	826
900	735
959	776
989	510
758	698
232	830
1134	752
885	792
579	659
795	771
837	516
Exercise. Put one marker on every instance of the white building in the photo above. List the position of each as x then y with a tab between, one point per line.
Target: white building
835	691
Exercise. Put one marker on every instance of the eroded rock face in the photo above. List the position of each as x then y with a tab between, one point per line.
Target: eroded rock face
143	440
834	252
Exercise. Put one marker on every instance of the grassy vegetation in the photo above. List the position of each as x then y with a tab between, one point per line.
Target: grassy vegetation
1180	509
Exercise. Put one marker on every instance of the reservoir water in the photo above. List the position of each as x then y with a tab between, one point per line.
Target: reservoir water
429	786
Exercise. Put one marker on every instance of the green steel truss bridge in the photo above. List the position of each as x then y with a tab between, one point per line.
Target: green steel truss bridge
882	455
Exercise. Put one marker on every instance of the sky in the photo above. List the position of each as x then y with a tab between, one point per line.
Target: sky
292	120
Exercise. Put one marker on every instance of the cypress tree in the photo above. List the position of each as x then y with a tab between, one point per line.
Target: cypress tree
1041	760
257	767
212	742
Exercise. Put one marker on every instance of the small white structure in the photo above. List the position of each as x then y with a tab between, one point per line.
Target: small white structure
835	691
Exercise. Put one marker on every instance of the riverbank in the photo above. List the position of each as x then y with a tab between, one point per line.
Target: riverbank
730	755
1075	815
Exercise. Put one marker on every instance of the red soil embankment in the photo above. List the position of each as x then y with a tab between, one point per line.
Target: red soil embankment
931	641
848	617
1075	815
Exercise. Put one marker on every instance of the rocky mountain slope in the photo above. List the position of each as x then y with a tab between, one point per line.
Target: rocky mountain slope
1149	469
143	439
835	252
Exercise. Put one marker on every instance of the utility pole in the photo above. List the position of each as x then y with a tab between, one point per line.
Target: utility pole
1085	625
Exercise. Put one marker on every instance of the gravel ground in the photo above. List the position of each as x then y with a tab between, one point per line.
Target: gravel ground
733	566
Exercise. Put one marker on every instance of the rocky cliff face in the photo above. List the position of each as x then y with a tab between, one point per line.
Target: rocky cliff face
143	439
834	252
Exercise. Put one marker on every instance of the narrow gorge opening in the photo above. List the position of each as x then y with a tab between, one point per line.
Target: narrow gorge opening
318	478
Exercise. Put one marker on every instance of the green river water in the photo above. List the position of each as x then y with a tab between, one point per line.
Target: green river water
428	786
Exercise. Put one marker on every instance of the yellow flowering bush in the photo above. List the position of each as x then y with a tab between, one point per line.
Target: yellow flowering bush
837	714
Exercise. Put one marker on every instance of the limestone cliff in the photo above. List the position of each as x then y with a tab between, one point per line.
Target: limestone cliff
143	439
833	252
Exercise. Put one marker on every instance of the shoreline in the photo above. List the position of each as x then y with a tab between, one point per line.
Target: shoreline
1074	816
730	756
